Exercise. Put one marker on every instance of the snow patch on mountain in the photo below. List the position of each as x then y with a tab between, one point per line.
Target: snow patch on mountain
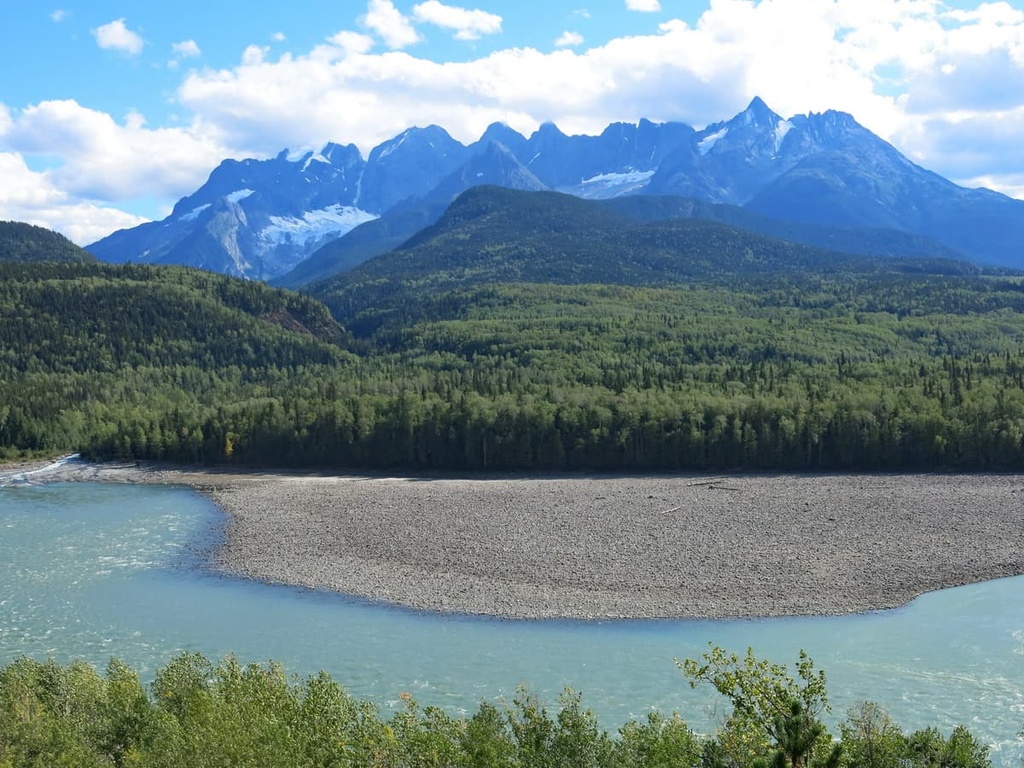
238	195
315	158
313	226
704	145
628	177
395	144
784	127
194	213
606	185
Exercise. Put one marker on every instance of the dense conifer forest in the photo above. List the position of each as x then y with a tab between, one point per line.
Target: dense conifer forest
585	342
841	373
26	242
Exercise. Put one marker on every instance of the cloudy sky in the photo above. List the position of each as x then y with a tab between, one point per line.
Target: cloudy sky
110	110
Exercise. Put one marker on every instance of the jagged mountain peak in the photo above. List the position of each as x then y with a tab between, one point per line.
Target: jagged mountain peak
415	139
754	124
835	125
498	164
334	151
495	165
501	133
546	131
258	217
757	112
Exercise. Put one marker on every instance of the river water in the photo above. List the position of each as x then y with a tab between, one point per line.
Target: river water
99	570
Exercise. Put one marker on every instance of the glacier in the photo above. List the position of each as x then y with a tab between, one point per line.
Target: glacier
313	226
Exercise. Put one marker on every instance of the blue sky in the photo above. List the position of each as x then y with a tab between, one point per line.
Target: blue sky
110	110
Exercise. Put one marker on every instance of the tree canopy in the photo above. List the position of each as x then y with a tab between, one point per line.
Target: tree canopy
198	713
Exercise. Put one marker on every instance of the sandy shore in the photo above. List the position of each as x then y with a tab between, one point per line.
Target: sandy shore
602	547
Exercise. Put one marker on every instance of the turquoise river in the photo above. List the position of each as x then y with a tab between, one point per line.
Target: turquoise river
99	570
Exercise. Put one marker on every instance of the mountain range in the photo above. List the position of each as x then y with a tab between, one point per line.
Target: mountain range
817	179
493	235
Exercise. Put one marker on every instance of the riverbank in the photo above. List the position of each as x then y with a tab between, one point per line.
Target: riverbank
610	547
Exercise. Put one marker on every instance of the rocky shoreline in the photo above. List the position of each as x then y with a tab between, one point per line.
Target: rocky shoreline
596	547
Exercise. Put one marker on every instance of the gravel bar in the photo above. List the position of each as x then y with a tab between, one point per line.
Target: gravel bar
598	547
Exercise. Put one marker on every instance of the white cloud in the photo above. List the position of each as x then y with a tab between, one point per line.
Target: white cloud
991	13
857	56
946	87
110	162
253	55
278	37
352	42
390	25
186	49
26	195
1011	184
58	16
644	6
569	39
468	24
116	36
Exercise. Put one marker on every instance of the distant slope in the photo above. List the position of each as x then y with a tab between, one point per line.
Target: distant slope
102	318
732	351
865	241
494	165
403	221
142	361
363	242
27	242
867	183
497	235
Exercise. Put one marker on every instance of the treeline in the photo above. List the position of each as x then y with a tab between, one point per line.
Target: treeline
952	413
199	714
843	372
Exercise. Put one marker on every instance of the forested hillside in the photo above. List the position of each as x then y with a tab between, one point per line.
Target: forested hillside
115	360
863	240
495	235
458	363
25	242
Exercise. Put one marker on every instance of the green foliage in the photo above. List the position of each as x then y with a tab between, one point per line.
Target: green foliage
492	235
775	722
659	742
759	688
849	370
871	739
770	706
486	740
28	243
201	714
51	715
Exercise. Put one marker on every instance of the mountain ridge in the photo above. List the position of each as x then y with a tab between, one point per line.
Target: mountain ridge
264	218
495	235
